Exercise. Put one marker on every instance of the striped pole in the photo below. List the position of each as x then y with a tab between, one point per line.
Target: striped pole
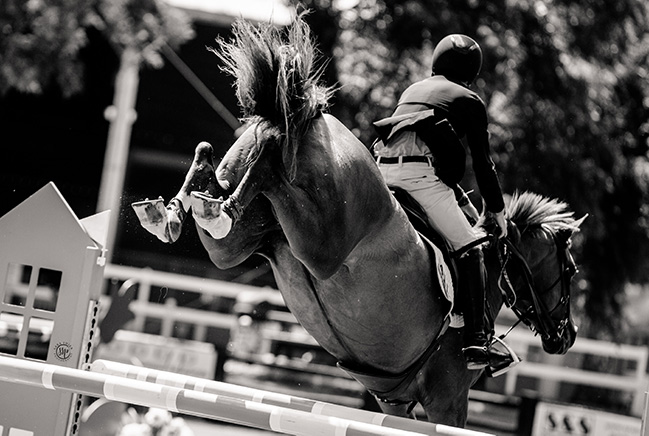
272	398
190	402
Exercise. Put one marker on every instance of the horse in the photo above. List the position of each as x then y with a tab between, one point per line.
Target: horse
298	188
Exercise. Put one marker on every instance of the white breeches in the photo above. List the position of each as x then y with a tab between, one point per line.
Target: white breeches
444	214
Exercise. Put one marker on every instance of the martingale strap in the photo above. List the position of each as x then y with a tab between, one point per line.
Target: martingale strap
539	308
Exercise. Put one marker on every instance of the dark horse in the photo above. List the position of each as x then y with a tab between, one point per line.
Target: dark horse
299	188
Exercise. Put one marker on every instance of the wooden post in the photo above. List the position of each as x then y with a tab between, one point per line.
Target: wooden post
645	414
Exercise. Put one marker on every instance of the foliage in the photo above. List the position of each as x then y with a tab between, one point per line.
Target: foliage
41	39
566	83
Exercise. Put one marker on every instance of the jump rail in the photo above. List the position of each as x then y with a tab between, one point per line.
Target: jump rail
193	402
270	398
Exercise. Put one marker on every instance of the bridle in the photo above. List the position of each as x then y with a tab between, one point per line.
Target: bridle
546	325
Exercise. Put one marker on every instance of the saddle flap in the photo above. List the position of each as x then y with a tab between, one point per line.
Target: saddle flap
442	263
419	219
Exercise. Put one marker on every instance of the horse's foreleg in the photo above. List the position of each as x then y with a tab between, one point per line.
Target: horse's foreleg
216	216
451	411
402	410
444	383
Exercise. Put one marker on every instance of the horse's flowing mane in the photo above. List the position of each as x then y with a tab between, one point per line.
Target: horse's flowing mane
276	78
535	213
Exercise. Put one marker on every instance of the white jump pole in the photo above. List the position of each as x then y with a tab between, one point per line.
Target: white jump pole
272	398
190	402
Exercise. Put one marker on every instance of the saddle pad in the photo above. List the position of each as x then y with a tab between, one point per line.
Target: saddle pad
445	282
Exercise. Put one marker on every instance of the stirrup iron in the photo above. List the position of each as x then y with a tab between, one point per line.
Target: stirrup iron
500	362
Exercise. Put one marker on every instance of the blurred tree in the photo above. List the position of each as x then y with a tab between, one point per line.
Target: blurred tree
567	89
40	39
40	47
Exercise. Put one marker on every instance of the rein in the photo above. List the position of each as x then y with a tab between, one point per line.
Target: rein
546	326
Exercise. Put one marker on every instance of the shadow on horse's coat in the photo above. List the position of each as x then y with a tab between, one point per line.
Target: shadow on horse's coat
301	190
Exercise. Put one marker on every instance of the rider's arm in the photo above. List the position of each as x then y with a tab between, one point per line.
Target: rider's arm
478	141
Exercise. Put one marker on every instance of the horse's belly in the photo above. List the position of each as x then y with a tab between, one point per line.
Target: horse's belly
385	320
379	308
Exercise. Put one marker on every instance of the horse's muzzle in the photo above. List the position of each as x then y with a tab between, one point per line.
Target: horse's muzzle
561	344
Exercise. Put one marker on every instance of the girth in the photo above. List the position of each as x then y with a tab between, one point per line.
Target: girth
389	387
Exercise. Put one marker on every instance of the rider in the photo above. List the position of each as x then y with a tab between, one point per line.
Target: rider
420	150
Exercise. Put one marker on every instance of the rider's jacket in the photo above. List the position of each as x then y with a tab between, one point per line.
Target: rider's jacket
420	109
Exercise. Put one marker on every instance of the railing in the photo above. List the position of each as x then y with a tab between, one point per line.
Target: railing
169	313
635	381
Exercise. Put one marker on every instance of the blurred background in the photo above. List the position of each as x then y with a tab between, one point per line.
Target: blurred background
108	99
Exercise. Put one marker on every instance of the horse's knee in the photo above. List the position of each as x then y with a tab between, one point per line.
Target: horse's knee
404	410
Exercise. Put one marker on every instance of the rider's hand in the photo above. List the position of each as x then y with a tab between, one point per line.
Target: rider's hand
499	217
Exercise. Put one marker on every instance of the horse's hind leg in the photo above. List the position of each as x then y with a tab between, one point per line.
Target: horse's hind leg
201	176
166	222
200	190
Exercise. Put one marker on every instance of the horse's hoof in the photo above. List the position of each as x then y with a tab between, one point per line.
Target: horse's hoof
150	212
208	214
205	206
163	222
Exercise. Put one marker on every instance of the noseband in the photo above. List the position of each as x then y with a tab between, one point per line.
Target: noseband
537	309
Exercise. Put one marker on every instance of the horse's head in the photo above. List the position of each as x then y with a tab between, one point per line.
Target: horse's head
537	268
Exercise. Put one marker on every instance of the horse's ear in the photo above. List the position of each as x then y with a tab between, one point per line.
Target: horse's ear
579	222
566	234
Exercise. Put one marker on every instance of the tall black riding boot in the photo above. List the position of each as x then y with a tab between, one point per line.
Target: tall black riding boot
472	288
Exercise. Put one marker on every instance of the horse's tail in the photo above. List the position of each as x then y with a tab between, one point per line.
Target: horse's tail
277	78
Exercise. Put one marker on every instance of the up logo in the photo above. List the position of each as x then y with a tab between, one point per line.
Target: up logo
63	351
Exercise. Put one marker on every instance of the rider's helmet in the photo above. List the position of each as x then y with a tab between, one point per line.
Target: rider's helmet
457	57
